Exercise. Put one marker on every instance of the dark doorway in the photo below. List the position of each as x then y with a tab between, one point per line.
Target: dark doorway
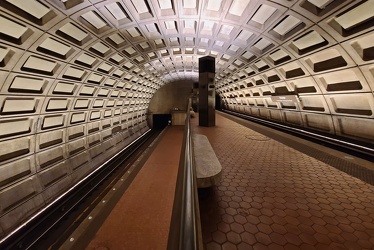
218	102
161	120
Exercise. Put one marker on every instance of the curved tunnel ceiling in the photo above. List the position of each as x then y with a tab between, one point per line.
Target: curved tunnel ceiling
163	39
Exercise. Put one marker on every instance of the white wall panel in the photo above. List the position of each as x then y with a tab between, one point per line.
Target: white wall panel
319	122
355	18
17	170
368	72
343	81
354	128
48	139
352	104
19	207
361	48
15	127
16	148
47	122
292	118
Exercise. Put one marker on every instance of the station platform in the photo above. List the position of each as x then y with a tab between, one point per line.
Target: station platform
277	192
281	192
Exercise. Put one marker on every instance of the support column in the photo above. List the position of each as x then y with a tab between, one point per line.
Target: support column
207	92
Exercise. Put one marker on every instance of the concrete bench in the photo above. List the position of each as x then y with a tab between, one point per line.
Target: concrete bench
208	168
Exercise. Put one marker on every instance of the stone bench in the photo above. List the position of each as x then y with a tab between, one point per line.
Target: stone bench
208	168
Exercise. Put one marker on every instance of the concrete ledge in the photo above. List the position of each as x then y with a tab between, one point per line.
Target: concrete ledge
208	168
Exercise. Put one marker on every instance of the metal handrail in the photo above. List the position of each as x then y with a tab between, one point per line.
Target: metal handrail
185	231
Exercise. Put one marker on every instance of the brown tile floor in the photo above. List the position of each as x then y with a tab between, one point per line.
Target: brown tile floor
272	196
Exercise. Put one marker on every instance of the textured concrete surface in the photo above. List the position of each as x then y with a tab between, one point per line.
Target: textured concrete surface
208	167
274	197
171	96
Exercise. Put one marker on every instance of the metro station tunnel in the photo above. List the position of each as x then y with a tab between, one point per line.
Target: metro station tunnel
186	124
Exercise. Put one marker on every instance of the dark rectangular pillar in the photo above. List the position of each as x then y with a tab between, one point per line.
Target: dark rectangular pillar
207	93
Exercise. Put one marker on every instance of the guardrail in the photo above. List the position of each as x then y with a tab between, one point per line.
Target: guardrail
185	230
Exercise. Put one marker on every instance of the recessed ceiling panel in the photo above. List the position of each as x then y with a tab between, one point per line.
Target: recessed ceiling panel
238	6
116	10
214	5
263	13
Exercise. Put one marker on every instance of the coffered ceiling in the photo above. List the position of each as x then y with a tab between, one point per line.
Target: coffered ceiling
165	38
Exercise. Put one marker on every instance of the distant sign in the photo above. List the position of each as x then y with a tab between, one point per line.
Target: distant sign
285	98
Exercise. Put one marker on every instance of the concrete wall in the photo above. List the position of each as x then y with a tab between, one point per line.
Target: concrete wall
327	68
170	96
68	102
